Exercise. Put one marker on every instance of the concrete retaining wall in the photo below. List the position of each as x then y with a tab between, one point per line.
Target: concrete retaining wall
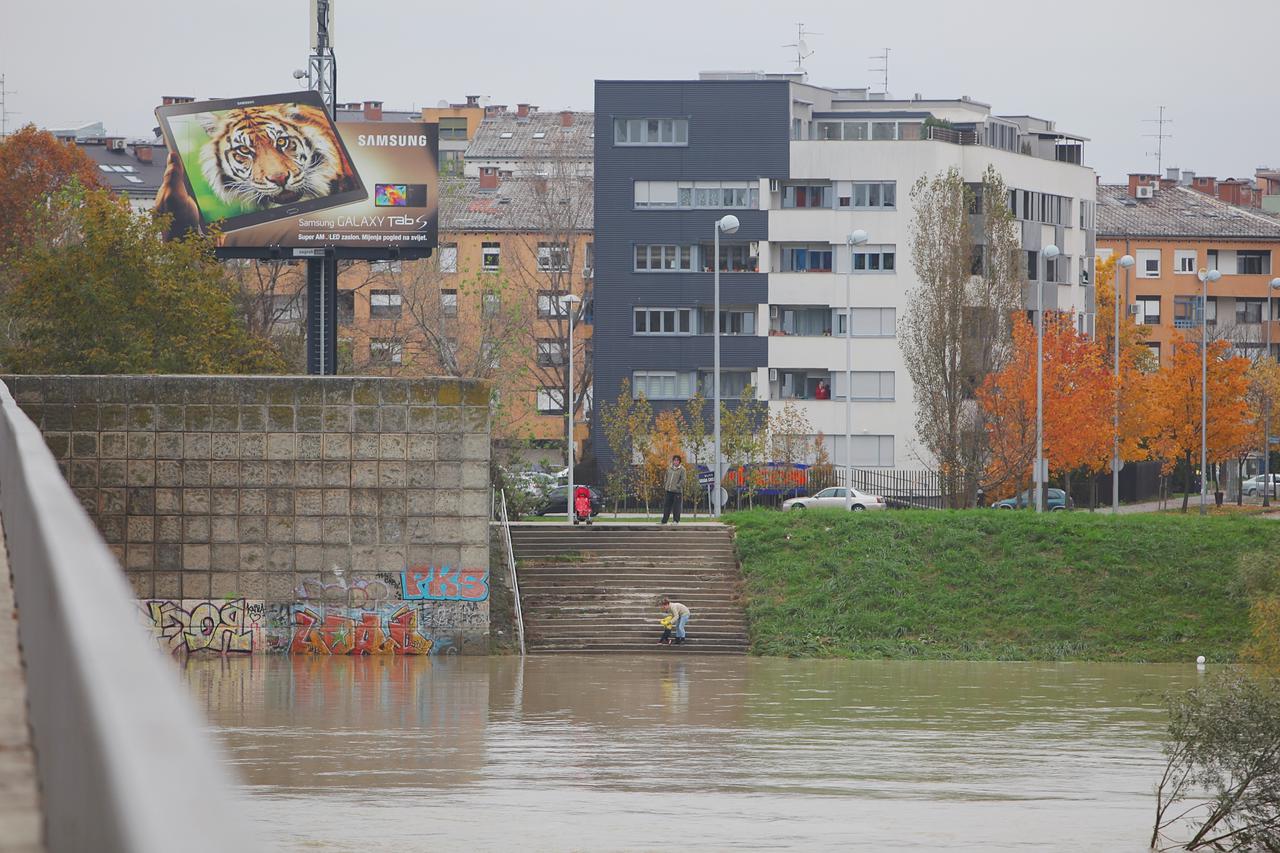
320	515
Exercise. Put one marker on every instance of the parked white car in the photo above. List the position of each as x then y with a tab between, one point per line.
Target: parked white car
1253	485
833	498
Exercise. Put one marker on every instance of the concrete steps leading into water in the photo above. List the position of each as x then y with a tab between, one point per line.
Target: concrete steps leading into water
596	589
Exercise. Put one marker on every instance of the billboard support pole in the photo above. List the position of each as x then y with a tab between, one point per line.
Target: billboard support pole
322	273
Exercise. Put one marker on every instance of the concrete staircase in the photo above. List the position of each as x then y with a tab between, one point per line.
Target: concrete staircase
597	588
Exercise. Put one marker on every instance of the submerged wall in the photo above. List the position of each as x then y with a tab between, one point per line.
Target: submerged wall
316	515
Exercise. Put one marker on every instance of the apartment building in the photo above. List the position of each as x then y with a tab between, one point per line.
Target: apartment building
801	166
1173	231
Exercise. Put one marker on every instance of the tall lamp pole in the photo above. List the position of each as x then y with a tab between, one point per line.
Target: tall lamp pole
1049	252
570	302
855	238
1266	418
1205	277
729	225
1124	263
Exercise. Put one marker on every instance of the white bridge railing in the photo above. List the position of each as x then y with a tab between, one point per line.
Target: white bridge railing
509	553
124	763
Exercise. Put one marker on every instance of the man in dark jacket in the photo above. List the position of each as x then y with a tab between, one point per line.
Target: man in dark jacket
673	484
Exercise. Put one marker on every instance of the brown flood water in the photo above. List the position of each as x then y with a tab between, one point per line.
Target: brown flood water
672	751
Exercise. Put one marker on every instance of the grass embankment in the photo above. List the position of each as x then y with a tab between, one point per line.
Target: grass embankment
990	585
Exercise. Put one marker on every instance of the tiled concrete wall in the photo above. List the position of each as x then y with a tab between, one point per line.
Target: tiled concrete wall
305	495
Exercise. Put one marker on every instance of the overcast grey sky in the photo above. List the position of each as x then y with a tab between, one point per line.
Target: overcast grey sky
1097	67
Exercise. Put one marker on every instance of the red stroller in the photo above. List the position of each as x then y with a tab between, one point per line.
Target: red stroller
581	504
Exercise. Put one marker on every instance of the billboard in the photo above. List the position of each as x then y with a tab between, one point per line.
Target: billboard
275	176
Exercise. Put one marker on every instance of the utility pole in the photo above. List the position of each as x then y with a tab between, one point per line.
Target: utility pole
802	48
882	70
1159	136
322	272
5	112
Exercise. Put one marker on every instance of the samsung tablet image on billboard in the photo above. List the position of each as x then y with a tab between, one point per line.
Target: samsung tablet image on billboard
274	172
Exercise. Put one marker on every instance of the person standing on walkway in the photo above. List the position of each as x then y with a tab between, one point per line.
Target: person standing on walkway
681	615
673	484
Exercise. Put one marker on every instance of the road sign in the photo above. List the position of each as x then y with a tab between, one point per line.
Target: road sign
706	478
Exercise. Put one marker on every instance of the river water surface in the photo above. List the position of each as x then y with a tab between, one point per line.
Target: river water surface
674	751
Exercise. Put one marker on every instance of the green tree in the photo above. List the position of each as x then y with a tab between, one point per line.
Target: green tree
98	290
627	424
34	166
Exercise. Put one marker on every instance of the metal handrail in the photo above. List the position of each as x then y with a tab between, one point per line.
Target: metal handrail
510	554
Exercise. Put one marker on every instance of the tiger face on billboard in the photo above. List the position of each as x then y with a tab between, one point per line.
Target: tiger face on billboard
272	154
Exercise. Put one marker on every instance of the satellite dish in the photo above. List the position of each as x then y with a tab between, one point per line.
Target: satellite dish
442	103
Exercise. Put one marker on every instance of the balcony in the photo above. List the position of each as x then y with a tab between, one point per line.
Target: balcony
799	321
805	384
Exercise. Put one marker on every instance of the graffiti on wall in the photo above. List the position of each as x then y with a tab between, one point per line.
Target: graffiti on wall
445	583
197	625
390	630
359	592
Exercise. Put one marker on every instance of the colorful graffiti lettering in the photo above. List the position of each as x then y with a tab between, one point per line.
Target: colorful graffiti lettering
214	626
362	593
392	630
445	584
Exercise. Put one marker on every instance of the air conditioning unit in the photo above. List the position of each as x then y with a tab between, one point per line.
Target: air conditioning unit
117	144
774	312
773	374
1135	309
775	185
588	272
1146	192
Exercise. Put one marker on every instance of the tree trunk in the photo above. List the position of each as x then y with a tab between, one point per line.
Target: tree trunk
1240	483
1186	492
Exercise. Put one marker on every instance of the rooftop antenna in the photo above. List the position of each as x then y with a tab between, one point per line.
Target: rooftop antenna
802	48
5	112
883	70
1159	136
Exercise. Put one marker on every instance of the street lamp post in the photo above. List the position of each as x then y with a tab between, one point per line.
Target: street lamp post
1124	263
1205	277
729	225
570	301
1266	417
1050	252
855	238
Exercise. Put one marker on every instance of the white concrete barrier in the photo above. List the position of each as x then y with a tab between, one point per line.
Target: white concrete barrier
123	761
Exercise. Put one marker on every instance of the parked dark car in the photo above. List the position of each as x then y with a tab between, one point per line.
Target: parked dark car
557	501
1056	501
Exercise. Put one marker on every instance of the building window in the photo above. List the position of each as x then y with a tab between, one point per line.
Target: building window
732	321
550	352
1148	263
875	259
449	303
1248	310
453	127
733	383
875	194
1186	312
664	258
385	351
552	304
384	304
663	321
1154	346
651	131
1253	262
346	307
806	195
867	384
697	195
553	257
448	257
1047	208
491	304
452	162
384	267
490	257
1148	311
1184	261
1033	265
662	384
1086	215
813	258
733	258
489	355
872	451
551	401
1051	269
869	322
589	260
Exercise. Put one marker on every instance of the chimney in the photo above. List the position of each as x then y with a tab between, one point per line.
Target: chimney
143	152
1188	177
522	110
488	177
566	118
373	110
495	110
1171	173
1137	179
473	100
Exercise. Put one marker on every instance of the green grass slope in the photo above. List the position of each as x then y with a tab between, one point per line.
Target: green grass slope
991	585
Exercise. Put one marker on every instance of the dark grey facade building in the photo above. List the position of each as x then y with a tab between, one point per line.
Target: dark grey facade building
656	254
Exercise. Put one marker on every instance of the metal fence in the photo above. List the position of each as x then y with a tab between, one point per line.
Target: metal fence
901	488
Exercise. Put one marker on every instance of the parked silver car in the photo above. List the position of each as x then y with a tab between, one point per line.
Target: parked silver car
833	498
1253	485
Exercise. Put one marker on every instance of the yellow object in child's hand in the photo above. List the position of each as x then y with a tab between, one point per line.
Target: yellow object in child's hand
668	622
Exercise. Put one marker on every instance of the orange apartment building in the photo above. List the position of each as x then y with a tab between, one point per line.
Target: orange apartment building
1172	231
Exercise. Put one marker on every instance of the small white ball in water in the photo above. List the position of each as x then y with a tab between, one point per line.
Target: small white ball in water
1200	659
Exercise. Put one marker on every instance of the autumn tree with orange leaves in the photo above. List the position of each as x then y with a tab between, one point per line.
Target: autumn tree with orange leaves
33	167
1175	401
1078	401
1137	362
